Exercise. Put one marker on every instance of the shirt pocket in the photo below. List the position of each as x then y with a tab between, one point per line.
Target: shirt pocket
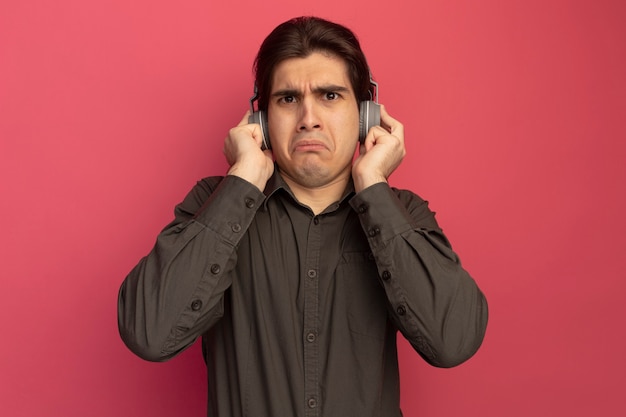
366	305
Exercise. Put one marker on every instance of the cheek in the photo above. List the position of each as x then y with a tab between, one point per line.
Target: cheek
278	128
347	128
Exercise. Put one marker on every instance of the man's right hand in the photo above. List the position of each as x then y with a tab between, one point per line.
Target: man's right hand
242	148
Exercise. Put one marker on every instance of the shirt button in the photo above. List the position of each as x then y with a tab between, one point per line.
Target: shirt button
401	310
316	220
312	403
236	228
310	337
312	273
386	275
249	203
362	208
196	305
374	231
215	269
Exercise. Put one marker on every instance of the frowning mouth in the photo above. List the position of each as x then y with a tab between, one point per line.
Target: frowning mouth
309	145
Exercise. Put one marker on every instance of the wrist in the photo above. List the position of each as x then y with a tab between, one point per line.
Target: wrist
253	176
365	181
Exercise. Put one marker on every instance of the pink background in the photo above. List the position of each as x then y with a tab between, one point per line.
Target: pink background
514	114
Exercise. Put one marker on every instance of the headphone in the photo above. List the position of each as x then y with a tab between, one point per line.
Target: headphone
369	115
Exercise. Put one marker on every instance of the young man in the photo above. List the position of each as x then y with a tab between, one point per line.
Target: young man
299	267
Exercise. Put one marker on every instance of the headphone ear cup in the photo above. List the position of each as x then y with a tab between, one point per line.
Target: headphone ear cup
260	118
369	116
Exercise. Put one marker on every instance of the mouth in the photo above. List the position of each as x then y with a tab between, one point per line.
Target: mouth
309	145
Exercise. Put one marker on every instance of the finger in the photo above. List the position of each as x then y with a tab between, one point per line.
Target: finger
388	122
377	132
245	120
393	126
374	133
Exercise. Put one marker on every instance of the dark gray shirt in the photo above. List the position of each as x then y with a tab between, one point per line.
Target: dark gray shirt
299	312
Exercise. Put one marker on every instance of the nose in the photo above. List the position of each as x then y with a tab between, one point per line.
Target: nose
309	116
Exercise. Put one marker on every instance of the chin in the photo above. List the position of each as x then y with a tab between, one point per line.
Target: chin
312	175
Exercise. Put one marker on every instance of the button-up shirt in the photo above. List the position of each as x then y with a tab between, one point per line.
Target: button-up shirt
299	312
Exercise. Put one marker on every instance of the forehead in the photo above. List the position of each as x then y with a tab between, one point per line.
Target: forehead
314	70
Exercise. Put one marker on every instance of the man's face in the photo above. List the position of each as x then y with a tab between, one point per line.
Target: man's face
313	120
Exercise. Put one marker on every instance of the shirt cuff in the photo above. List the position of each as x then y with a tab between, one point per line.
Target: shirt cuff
382	214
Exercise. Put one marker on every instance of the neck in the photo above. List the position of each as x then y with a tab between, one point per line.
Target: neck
318	198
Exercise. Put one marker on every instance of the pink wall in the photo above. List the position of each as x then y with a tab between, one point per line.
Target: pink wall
514	113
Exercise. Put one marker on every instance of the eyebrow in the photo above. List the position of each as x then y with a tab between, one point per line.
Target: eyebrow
322	89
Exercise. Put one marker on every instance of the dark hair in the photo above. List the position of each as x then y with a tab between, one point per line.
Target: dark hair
299	38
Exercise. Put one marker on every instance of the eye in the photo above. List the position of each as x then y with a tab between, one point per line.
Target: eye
331	95
287	99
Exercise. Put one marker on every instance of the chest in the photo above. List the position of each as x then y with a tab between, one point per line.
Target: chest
295	269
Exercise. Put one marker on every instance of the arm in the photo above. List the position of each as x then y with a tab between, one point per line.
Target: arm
176	292
433	301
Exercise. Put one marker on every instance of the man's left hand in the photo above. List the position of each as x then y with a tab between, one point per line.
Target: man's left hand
380	154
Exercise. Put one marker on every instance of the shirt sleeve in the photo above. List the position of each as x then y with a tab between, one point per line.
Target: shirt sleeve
176	292
432	300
